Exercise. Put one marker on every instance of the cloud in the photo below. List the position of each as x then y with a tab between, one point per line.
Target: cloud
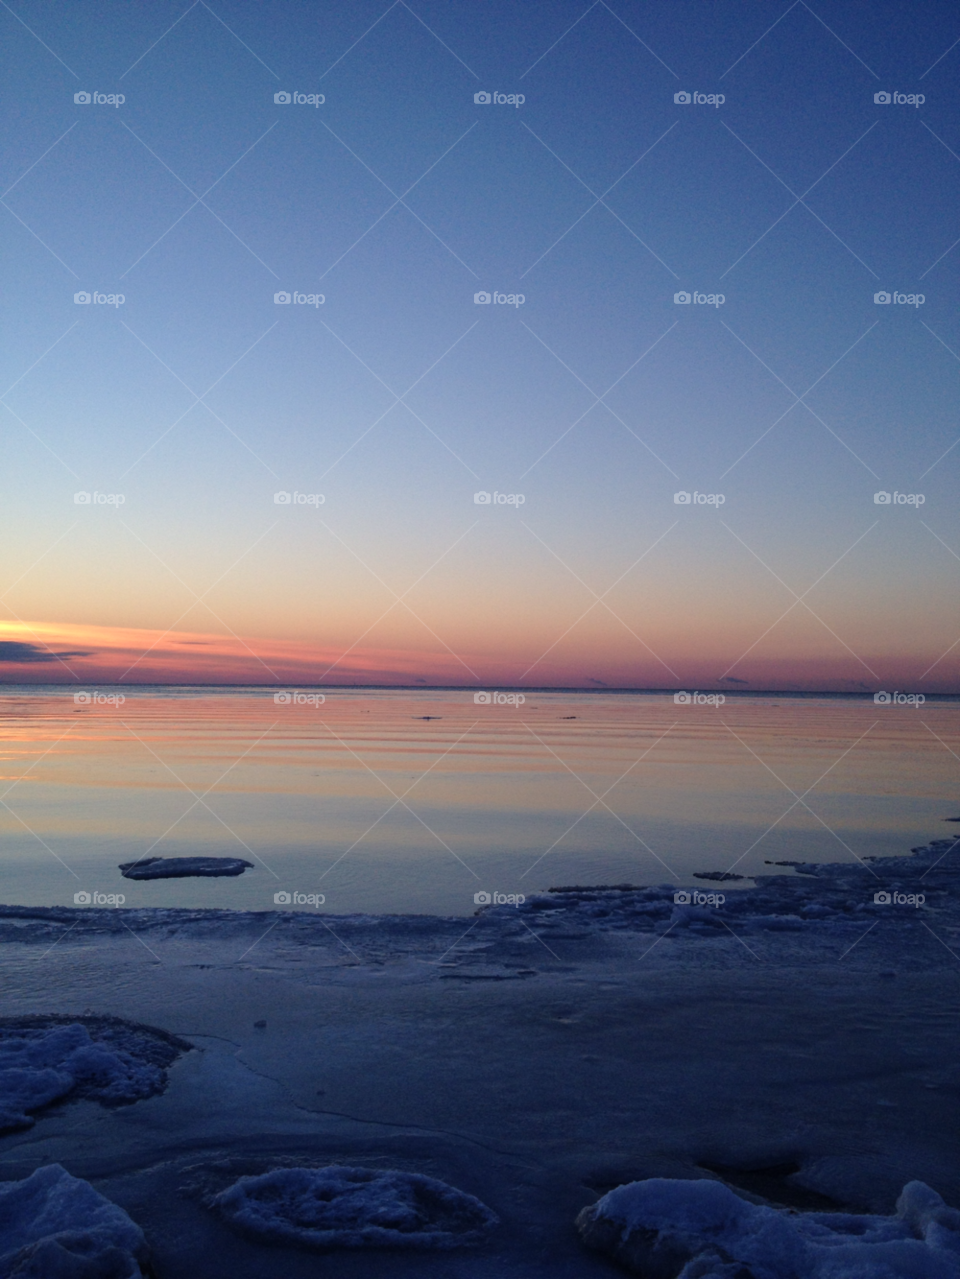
597	681
732	679
16	651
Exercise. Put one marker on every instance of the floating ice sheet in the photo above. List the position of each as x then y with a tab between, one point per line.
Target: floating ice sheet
183	867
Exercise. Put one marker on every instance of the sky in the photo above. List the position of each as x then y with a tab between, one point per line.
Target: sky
149	445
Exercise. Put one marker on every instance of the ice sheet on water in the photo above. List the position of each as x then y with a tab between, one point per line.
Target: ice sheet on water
342	1207
45	1059
183	867
668	1229
54	1226
816	896
792	913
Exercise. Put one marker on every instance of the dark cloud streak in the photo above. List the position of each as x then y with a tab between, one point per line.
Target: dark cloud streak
27	654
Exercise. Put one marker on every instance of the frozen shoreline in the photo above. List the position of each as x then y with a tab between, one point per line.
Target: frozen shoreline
903	908
535	1057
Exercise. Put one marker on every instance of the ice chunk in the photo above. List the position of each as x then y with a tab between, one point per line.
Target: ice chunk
182	867
341	1207
927	1215
667	1229
54	1226
45	1059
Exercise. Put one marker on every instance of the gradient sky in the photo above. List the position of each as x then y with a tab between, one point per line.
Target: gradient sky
399	398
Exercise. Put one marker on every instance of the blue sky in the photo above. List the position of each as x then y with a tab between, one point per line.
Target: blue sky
399	398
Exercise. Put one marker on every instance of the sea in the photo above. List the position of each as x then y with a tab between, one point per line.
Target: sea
430	801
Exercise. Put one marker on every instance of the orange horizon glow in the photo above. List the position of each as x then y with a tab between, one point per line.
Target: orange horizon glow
72	653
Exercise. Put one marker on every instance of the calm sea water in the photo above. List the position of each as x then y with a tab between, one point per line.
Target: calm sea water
414	801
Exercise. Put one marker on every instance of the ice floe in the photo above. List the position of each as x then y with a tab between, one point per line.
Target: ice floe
54	1226
183	867
342	1207
665	1229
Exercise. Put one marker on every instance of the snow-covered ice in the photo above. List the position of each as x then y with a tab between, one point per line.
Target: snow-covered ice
797	1041
342	1207
44	1059
183	867
666	1229
816	899
54	1226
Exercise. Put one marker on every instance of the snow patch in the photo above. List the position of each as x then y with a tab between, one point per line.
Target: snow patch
54	1226
43	1060
341	1207
667	1229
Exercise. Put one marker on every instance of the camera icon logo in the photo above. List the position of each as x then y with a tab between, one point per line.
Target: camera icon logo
882	298
681	298
82	298
682	699
81	899
482	699
682	98
481	298
882	498
482	898
682	498
82	499
882	899
882	98
82	98
82	699
481	499
281	98
481	99
282	298
281	899
282	699
882	699
681	898
281	498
